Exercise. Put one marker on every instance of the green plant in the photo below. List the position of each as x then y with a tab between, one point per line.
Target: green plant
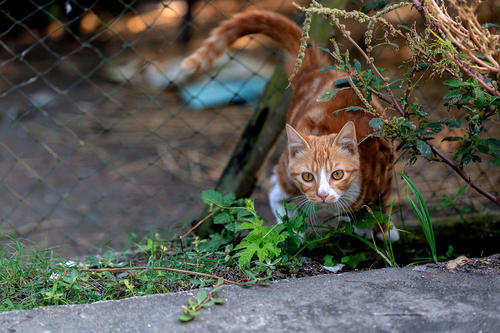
203	300
454	203
32	277
261	241
422	214
457	48
354	260
259	249
387	242
370	218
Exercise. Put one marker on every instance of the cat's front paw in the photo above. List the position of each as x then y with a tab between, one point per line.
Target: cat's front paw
393	235
367	233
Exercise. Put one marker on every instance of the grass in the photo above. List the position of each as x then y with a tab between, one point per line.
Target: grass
422	214
246	252
32	277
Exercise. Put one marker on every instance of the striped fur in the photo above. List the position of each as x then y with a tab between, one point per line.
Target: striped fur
318	142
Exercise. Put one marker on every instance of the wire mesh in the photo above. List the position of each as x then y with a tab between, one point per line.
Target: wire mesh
95	141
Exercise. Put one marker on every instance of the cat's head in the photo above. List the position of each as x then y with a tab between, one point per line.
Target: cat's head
325	168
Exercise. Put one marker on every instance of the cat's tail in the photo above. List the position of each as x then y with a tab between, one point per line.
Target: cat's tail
276	26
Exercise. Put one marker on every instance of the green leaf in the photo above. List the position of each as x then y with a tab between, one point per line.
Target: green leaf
452	93
216	241
451	123
404	27
348	109
342	82
242	214
328	95
223	218
186	317
452	138
219	301
229	199
357	65
246	256
456	83
374	5
424	149
246	225
460	192
354	260
422	214
192	303
329	261
212	197
376	123
329	68
201	296
365	219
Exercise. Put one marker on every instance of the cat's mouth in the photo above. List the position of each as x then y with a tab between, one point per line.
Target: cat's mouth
321	203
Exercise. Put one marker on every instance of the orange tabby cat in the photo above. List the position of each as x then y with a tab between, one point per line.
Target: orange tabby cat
323	163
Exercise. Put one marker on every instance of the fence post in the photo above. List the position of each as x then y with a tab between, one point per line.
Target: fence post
263	128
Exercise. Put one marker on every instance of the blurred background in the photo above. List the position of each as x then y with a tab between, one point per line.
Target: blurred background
101	135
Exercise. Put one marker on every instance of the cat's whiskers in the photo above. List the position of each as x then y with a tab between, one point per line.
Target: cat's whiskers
311	213
300	200
346	207
314	215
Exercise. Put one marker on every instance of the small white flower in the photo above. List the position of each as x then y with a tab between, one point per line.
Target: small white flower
54	276
69	263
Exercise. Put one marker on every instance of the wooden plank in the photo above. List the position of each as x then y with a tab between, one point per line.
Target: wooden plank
260	134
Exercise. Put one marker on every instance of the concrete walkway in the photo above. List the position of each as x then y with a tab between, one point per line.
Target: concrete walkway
413	299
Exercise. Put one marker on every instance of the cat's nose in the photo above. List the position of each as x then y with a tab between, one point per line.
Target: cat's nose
323	196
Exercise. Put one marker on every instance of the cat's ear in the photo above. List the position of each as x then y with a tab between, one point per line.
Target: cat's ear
346	139
296	142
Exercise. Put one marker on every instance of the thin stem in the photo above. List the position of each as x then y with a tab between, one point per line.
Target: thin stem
465	177
121	269
199	223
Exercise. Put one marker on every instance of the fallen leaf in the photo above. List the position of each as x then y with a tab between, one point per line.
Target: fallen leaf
457	262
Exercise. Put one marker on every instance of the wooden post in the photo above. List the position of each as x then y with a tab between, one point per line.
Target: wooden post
263	128
260	134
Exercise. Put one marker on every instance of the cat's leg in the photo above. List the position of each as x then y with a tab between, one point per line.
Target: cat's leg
392	234
367	233
276	198
387	233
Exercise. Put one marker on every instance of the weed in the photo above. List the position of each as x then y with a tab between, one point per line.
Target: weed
203	300
245	252
368	219
32	277
422	214
354	260
454	203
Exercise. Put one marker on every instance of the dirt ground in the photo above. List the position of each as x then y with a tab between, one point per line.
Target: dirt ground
85	159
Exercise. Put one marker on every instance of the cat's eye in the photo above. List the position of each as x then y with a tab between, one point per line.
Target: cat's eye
307	176
337	174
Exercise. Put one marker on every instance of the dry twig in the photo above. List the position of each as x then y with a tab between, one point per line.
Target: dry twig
199	223
182	271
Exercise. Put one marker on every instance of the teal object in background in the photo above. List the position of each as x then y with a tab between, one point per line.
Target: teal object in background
216	92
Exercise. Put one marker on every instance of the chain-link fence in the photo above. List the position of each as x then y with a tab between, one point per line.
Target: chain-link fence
100	134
